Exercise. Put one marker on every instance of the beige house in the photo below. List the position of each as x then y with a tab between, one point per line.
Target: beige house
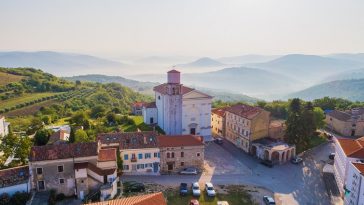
273	150
138	150
218	122
179	152
74	169
347	123
245	123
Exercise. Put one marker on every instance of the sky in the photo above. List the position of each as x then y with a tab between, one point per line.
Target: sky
212	28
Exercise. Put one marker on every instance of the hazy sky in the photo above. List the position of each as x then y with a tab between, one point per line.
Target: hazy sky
183	27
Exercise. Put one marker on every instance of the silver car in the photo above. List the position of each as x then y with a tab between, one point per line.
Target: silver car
210	189
196	189
190	170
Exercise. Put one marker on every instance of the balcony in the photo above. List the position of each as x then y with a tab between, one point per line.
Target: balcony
133	160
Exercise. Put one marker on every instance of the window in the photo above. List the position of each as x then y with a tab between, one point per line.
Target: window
159	97
182	164
159	155
140	156
61	181
133	156
125	167
172	154
182	154
155	155
60	168
140	166
147	155
168	155
126	156
198	154
39	171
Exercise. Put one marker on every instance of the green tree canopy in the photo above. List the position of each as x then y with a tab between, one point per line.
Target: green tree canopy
81	136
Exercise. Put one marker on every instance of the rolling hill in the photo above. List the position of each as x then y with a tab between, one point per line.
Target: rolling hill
57	63
347	89
245	59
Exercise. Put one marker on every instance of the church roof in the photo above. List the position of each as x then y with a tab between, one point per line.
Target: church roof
163	89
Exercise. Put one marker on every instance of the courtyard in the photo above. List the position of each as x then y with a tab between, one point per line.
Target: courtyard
226	165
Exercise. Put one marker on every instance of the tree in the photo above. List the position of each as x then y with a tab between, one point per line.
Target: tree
79	118
119	161
111	118
41	137
319	117
98	111
294	132
23	149
35	125
8	145
81	136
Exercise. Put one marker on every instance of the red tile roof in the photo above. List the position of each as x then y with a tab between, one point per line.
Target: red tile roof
150	105
245	111
94	168
173	71
130	140
138	104
57	136
360	167
352	147
14	176
219	111
340	115
63	151
147	199
163	89
179	140
107	155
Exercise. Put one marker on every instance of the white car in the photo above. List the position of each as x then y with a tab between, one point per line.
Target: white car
196	189
222	203
268	200
210	189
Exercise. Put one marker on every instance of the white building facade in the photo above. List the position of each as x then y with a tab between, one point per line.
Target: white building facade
150	113
4	126
182	110
354	185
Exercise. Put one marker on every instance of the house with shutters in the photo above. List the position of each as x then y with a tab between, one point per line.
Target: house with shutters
138	150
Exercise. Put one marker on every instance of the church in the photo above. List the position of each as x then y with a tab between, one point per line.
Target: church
178	109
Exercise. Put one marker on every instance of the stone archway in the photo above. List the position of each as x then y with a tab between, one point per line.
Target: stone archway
254	151
288	154
275	156
266	155
283	156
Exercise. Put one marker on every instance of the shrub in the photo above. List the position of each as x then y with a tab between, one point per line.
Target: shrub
19	198
4	199
60	197
52	197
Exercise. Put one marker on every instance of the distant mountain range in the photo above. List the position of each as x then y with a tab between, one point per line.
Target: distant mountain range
147	87
308	68
348	89
246	59
61	64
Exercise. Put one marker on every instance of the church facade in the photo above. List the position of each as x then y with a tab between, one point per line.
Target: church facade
180	110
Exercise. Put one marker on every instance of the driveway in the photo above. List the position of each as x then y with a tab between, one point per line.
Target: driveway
292	184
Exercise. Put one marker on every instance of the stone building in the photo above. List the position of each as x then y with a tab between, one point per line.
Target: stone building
273	150
150	113
244	124
179	152
181	110
218	122
346	123
74	169
138	150
136	108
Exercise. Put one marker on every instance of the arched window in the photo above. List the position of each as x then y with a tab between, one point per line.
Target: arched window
172	154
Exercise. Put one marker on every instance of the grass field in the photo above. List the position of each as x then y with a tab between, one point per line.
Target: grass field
6	78
138	123
24	98
233	196
30	110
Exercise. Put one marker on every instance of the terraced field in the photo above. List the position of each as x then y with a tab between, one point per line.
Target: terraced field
6	78
24	98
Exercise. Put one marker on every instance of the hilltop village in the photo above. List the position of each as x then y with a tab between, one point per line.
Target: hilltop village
184	145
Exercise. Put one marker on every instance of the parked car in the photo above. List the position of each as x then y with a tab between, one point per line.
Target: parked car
189	170
196	189
268	200
296	160
219	141
210	189
332	156
194	202
134	187
183	190
222	203
267	163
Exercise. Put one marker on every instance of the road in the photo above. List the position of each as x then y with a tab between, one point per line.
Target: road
292	184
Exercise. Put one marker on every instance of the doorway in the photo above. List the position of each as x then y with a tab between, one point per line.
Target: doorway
193	131
151	120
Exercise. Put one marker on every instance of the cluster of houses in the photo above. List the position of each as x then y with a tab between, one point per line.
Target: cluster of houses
251	129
